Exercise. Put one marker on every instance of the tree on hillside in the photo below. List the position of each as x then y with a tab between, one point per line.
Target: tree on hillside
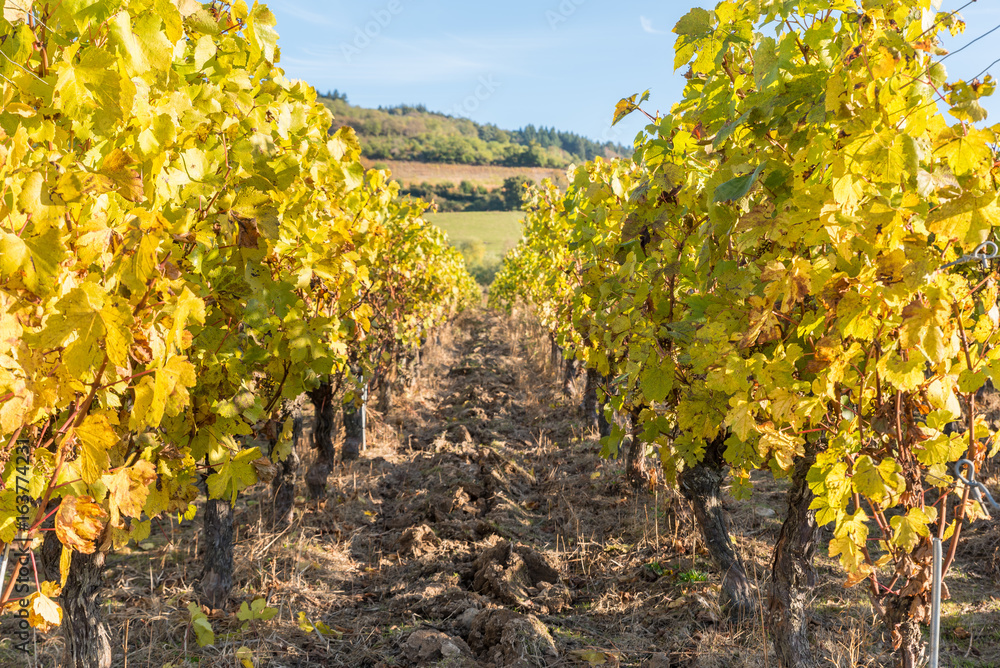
512	191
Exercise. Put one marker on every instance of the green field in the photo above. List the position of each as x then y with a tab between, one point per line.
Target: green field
484	237
498	230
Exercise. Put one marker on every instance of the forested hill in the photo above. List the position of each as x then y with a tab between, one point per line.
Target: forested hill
416	134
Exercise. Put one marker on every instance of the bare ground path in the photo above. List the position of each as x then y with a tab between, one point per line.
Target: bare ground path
484	530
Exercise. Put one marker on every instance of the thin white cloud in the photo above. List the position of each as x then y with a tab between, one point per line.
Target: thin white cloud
647	26
390	64
303	14
393	61
509	43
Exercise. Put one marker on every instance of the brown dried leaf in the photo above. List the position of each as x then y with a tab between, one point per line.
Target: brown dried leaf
265	469
79	523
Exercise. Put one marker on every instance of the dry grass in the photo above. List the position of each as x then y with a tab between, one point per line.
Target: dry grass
485	448
490	176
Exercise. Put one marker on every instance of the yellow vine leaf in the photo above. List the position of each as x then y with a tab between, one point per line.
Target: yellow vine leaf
128	488
235	474
65	561
152	394
16	10
97	436
908	529
245	656
44	614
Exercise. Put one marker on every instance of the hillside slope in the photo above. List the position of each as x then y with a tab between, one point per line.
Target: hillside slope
418	135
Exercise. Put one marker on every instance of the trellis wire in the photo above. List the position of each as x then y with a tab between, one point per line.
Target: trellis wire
984	253
979	491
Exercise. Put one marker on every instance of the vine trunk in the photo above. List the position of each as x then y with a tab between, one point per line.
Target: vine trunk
701	486
793	575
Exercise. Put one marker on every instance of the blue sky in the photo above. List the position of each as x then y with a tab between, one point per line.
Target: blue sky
561	63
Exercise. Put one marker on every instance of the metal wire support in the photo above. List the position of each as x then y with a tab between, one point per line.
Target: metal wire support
3	566
978	489
984	252
364	418
936	605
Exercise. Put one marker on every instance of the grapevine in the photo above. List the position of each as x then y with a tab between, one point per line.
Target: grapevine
183	250
779	281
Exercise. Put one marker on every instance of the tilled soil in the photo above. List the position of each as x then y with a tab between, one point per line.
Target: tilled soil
490	545
482	529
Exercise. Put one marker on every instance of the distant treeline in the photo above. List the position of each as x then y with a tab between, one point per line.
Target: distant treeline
414	133
468	196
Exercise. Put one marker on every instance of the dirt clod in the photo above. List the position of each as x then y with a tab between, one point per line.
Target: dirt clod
436	600
657	661
460	434
696	607
508	572
512	640
553	598
429	647
418	541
